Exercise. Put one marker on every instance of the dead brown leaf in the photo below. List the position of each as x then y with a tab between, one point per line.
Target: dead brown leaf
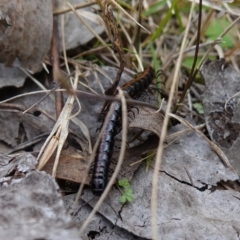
25	32
147	119
72	167
221	108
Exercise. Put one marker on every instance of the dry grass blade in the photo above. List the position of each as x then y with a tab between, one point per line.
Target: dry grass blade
41	99
202	45
92	31
25	94
173	137
87	95
33	79
49	147
84	130
154	198
120	160
218	151
119	7
13	107
132	45
75	120
59	132
68	9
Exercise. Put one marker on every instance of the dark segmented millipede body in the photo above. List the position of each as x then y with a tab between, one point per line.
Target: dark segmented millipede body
105	150
134	89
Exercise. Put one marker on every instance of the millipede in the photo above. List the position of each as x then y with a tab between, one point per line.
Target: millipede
134	89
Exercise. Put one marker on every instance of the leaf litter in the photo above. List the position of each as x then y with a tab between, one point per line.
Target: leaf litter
182	187
182	206
221	109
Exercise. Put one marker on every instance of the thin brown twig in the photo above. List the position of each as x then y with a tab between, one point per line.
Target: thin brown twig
56	66
58	11
14	107
82	94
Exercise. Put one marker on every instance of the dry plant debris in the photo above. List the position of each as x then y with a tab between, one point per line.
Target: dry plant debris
221	107
191	173
148	119
187	201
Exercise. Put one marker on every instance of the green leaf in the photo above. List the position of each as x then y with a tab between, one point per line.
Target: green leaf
123	199
216	27
128	192
199	107
124	183
129	198
128	195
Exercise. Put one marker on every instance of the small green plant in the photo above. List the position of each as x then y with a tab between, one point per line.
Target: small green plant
199	107
125	188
